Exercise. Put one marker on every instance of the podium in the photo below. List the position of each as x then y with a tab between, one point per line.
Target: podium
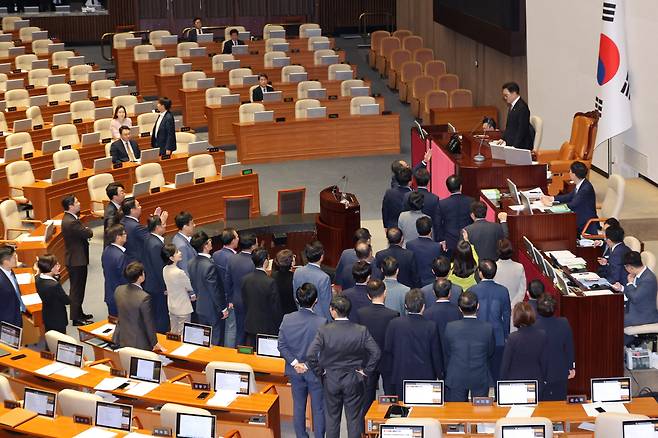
339	218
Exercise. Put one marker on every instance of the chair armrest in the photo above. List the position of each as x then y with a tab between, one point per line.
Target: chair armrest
18	229
593	236
544	156
31	221
269	389
181	376
233	433
100	362
560	166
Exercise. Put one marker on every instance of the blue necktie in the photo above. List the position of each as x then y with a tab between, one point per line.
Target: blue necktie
14	281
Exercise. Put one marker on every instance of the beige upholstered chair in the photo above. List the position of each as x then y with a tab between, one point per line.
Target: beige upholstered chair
423	55
119	39
101	88
412	42
140	53
24	62
4	48
227	31
18	98
203	165
235	76
67	134
304	86
150	172
247	110
61	58
435	68
40	47
6	393
305	26
3	123
375	41
460	98
103	126
167	65
183	49
285	71
191	77
538	124
434	99
213	95
268	58
251	92
397	58
71	402
155	37
69	158
448	82
34	113
169	413
22	139
59	93
386	47
19	174
127	353
218	61
269	44
548	426
302	105
333	68
96	185
649	260
318	54
8	23
83	109
230	366
53	336
610	424
356	102
108	146
14	226
633	243
25	34
613	200
146	121
270	27
316	39
127	101
419	88
346	86
183	140
401	34
80	73
408	72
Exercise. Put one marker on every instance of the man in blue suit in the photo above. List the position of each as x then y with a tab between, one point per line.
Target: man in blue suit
154	283
494	308
392	204
313	273
181	240
443	311
612	262
229	239
297	331
363	252
452	215
348	257
398	165
212	307
469	346
10	294
441	269
425	250
408	272
237	268
581	200
358	295
113	261
137	233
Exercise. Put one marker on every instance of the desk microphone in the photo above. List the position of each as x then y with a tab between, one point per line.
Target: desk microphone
343	195
479	158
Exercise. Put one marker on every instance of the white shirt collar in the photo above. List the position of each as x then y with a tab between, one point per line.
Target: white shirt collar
119	246
261	269
188	238
71	214
204	254
132	217
414	313
158	236
341	319
47	277
231	249
470	317
118	206
514	103
580	183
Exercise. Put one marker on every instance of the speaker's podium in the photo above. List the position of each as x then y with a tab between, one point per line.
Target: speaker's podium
339	218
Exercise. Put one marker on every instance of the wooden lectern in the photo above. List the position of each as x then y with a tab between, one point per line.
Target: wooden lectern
339	218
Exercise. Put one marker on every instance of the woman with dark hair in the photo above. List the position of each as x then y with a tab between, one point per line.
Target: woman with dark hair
488	124
524	355
54	299
282	275
119	119
464	265
179	289
510	273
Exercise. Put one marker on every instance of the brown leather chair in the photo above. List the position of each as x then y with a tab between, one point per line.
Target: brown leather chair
448	82
401	34
398	57
411	43
409	71
421	86
460	98
423	55
291	201
237	207
433	99
375	40
386	47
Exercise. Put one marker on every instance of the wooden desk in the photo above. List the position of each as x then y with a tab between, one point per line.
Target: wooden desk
220	119
145	71
41	91
464	119
317	138
289	90
257	63
168	85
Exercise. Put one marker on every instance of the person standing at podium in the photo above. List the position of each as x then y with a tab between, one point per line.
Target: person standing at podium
518	132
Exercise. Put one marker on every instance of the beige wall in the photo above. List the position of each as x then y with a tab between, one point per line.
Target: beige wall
480	68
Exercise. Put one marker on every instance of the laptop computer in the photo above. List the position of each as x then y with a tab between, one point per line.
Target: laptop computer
195	425
244	35
516	392
179	69
58	175
277	34
91	138
197	147
23	125
39	35
150	155
267	345
298	77
321	45
272	96
13	154
197	51
313	32
102	164
75	60
61	119
423	392
611	390
231	169
16	51
96	75
281	62
204	38
50	146
280	47
39	63
359	91
263	116
230	64
316	113
141	188
120	90
55	47
144	107
329	59
241	49
317	93
250	80
14	84
369	109
39	100
56	79
132	42
169	39
114	416
10	335
202	84
154	55
229	99
106	112
184	179
343	75
196	334
78	95
40	401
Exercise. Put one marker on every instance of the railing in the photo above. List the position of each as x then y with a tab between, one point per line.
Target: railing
363	25
108	39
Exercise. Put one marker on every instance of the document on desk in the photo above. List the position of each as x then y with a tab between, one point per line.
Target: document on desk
31	299
96	432
165	360
142	388
25	278
50	369
106	396
594	293
110	383
222	398
104	330
185	350
533	194
70	372
520	412
594	409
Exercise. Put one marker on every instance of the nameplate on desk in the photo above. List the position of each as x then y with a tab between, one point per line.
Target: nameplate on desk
199	180
333	97
213	149
12	404
77	120
114	372
280	119
165	157
91	63
16	71
483	401
253	52
295	51
388	399
82	419
37	127
576	399
173	337
73	175
247	171
200	386
118	165
29	87
287	99
184	129
134	93
244	349
11	109
28	155
47	355
155	190
93	98
387	113
71	82
333	116
161	431
65	147
145	134
53	103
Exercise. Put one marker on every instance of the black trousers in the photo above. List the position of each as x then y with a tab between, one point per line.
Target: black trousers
344	389
78	282
554	391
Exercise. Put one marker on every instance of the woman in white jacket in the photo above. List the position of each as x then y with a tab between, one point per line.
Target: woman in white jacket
179	289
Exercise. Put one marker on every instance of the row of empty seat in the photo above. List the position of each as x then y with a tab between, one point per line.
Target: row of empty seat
24	62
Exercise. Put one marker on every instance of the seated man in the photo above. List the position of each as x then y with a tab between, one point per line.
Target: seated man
263	86
234	41
612	262
124	149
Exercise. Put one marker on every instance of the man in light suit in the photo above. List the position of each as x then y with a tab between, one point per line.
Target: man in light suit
358	295
518	132
452	215
263	87
296	333
441	269
135	327
485	235
237	268
124	149
392	204
210	296
313	273
395	291
10	294
612	262
344	354
181	240
581	200
348	257
114	263
227	49
494	308
116	192
260	298
153	265
469	345
408	272
229	239
425	250
163	136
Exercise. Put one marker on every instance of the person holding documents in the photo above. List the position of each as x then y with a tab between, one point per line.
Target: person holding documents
262	88
124	149
518	132
227	49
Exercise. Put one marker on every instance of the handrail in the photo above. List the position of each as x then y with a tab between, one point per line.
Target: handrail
363	28
186	31
109	36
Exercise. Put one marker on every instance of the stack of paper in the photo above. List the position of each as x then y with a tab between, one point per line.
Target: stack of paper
586	243
61	369
104	330
222	398
533	194
560	208
25	278
96	432
492	194
520	412
184	350
568	259
110	383
31	299
591	279
142	388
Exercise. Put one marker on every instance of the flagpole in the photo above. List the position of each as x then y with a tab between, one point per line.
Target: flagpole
609	157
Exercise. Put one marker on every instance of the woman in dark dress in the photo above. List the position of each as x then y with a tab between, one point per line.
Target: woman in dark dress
282	275
52	294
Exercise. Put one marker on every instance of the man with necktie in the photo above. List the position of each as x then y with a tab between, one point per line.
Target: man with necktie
124	149
197	29
163	136
234	41
262	88
10	294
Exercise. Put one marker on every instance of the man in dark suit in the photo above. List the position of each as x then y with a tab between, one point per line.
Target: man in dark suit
398	165
137	233
237	268
114	263
344	354
425	250
210	297
348	257
229	239
535	291
518	132
153	265
363	252
452	215
412	345
392	204
76	241
358	295
135	327
441	269
422	178
116	192
124	149
408	271
197	28
443	311
581	200
484	235
376	317
233	41
163	136
10	294
612	262
495	308
260	299
469	345
263	86
297	331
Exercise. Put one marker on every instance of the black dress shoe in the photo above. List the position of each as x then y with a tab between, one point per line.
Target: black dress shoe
79	322
87	316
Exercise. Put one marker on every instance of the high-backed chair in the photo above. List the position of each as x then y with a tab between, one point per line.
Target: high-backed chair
103	126
3	123
127	353
218	61
12	223
548	426
333	68
19	98
96	185
302	105
24	62
183	49
269	43
538	124
107	150
155	36
203	165
610	424
6	393
237	208
316	39
34	113
126	101
140	53
304	86
39	77
3	78
410	70
53	337
270	27
346	86
291	201
375	43
8	23
213	95
146	121
4	48
227	31
69	158
80	73
268	58
398	57
83	109
101	88
61	58
25	34
633	243
167	65
190	79
183	140
236	75
448	82
169	413
412	43
71	402
431	426
150	172
460	98
19	174
119	39
247	110
613	201
386	48
356	102
304	27
401	34
649	260
59	93
318	54
435	68
419	88
40	47
22	139
231	366
67	134
288	69
423	55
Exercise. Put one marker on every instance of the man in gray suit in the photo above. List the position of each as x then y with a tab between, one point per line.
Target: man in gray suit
484	235
181	240
135	327
395	291
313	273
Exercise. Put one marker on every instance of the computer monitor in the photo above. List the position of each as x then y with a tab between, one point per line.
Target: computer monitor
423	392
70	354
528	246
114	415
513	191
234	381
184	179
141	188
41	402
197	334
230	169
267	345
516	392
561	284
640	429
526	203
612	389
523	431
10	335
195	425
541	261
49	231
401	431
150	155
146	370
59	175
